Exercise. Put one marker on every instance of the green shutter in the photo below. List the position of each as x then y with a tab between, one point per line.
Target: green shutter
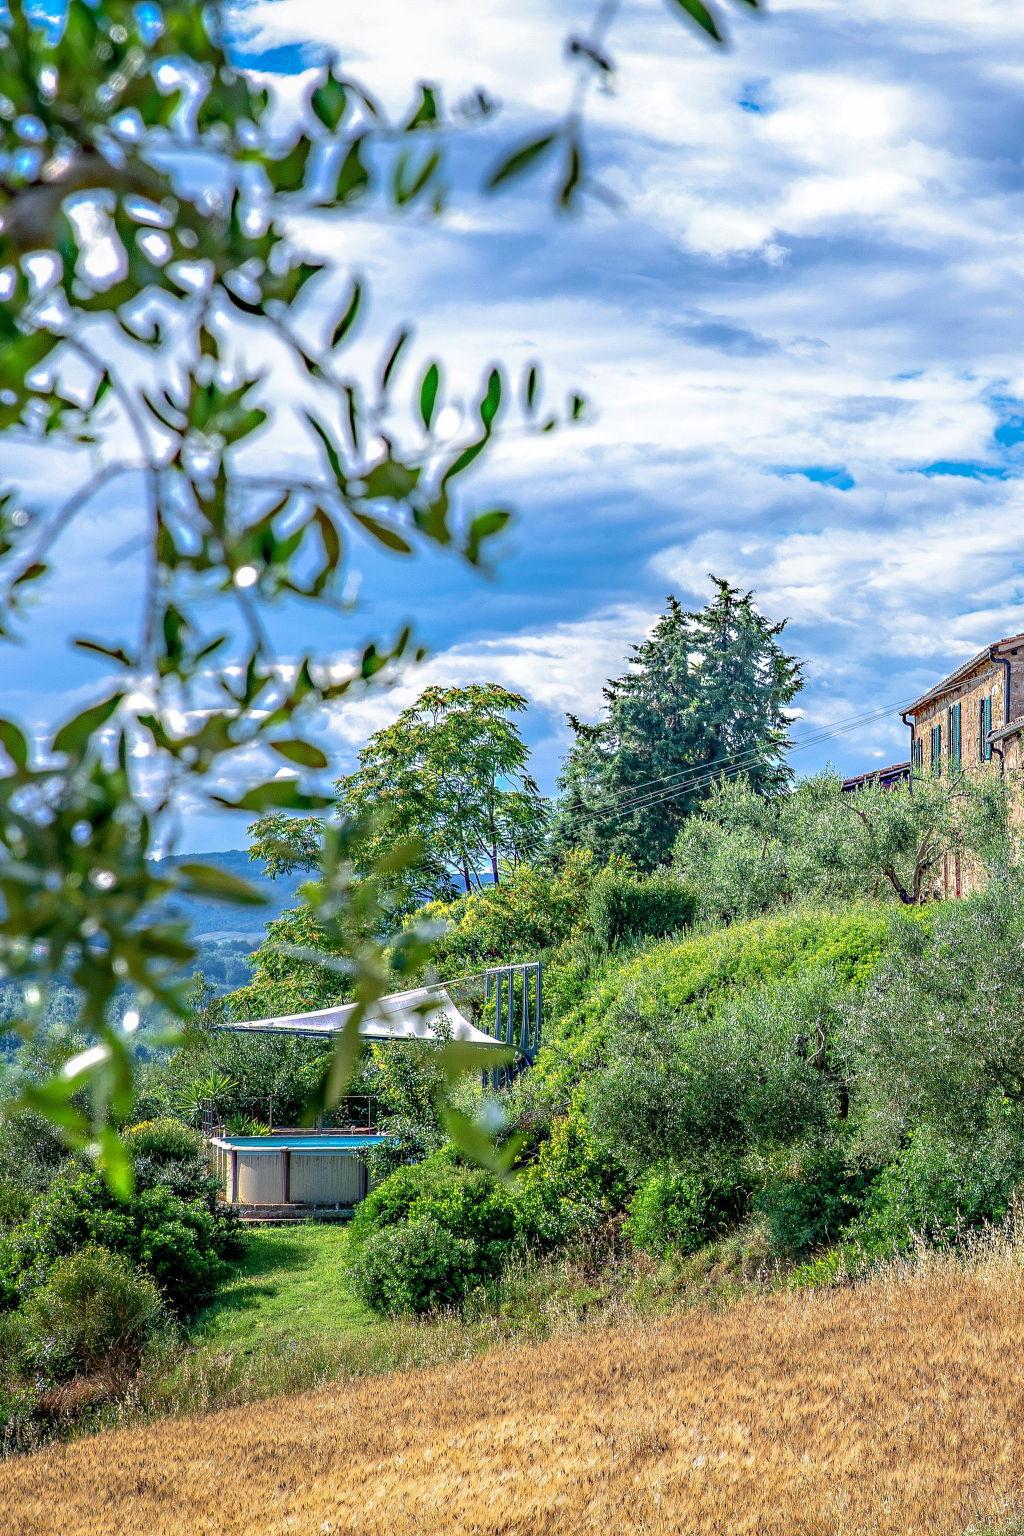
955	750
988	727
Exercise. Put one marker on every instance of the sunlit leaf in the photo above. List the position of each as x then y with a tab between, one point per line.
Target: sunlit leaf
221	884
75	733
429	387
383	533
348	319
116	1163
280	794
14	743
697	11
302	752
524	158
391	360
112	652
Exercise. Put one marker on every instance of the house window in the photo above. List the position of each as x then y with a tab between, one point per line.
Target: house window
917	755
936	763
953	734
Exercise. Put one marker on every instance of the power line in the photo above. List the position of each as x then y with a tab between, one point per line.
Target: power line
850	722
725	766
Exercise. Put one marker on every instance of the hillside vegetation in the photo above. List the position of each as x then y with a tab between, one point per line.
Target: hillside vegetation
895	1409
696	975
780	1102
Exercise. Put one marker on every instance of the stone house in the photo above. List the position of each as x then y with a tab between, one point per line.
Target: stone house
971	722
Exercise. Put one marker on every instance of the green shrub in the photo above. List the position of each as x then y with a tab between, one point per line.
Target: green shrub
467	1204
405	1087
675	1210
95	1313
164	1140
835	1266
246	1125
572	1187
934	1190
12	1259
15	1201
699	975
806	1212
414	1265
625	908
180	1243
529	911
683	1091
18	1416
169	1154
939	1034
16	1346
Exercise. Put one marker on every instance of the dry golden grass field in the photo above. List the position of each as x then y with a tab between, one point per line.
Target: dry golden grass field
897	1407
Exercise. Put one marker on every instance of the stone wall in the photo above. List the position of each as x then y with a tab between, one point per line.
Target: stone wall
959	874
988	678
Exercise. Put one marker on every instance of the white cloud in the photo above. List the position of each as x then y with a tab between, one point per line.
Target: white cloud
828	279
561	670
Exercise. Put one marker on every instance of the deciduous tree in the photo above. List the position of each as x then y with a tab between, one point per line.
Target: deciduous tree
452	775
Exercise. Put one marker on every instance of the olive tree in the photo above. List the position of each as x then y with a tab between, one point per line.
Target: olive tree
746	852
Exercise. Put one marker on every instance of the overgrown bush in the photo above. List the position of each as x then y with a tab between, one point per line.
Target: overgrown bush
95	1314
19	1400
699	976
15	1201
676	1210
414	1265
711	1093
404	1085
938	1036
935	1191
530	911
572	1187
168	1153
468	1204
180	1243
31	1151
812	1206
625	907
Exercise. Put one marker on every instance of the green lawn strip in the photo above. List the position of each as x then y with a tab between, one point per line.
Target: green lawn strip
290	1285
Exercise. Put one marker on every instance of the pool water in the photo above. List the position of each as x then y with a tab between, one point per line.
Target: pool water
300	1143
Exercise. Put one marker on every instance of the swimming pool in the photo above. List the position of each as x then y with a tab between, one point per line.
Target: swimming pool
293	1168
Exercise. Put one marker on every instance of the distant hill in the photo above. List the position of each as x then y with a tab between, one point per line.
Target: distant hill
220	918
226	935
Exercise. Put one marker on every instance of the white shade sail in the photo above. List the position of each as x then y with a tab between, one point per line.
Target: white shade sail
425	1013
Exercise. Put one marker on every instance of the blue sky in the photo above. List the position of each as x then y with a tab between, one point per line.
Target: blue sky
801	333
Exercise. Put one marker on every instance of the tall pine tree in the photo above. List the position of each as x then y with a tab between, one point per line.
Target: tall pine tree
708	690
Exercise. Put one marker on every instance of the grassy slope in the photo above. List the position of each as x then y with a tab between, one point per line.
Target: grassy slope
290	1285
700	972
895	1409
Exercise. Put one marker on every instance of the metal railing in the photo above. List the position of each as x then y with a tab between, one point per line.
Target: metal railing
514	998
